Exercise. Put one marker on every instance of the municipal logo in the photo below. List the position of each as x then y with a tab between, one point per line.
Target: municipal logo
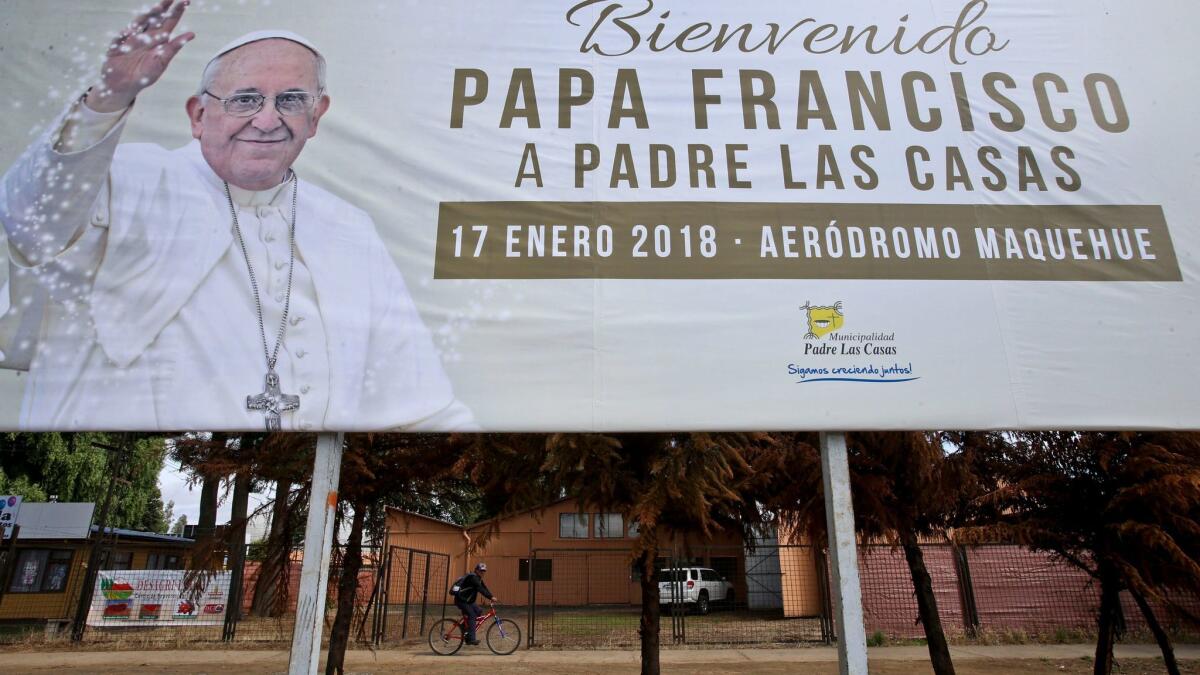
862	354
823	320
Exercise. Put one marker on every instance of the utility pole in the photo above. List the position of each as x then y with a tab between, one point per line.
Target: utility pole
843	556
116	470
318	542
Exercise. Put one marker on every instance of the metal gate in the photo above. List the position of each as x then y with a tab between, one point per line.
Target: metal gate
410	593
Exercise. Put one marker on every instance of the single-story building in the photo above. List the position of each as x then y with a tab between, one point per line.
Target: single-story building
580	557
44	567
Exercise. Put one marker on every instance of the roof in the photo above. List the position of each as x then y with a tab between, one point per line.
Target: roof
422	516
54	520
122	533
486	521
506	516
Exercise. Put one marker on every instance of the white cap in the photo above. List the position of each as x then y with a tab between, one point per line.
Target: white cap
264	35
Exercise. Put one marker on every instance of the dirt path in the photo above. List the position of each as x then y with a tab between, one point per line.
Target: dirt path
1027	660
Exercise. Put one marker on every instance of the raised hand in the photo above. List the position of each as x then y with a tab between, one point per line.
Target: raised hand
138	56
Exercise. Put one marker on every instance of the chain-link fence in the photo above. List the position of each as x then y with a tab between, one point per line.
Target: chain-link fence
999	592
172	607
767	594
774	594
707	595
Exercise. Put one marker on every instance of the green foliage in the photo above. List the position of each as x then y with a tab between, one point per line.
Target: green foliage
72	468
21	485
877	639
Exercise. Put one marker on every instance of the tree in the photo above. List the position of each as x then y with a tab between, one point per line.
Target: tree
1124	507
21	485
168	516
376	468
74	468
180	525
666	483
904	487
280	457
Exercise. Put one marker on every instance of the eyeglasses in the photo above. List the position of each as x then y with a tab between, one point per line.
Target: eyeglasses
249	103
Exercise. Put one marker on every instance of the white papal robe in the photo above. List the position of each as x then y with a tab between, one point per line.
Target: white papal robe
131	306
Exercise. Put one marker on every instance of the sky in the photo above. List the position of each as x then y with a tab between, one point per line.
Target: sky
173	484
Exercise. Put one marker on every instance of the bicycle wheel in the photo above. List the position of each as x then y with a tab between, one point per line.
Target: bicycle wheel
503	637
446	637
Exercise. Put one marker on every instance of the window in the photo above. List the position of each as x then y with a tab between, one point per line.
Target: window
41	571
118	560
163	561
543	569
609	526
725	566
709	575
573	526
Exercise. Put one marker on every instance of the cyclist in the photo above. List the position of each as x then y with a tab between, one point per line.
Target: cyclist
469	588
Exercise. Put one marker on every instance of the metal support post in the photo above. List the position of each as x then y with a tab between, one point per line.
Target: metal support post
318	541
843	556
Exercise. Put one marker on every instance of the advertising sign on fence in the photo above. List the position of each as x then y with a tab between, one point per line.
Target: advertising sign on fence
598	215
10	506
158	598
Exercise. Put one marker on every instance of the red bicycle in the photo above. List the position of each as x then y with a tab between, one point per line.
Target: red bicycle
502	637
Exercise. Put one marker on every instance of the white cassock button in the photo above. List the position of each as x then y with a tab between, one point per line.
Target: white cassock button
269	238
305	389
279	265
296	320
279	297
306	426
263	211
300	353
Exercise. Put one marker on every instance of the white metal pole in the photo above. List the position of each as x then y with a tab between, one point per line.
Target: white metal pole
843	556
318	542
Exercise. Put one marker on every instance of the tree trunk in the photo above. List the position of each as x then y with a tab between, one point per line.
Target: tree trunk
650	621
935	637
1160	635
1110	604
206	525
272	570
339	636
207	522
237	551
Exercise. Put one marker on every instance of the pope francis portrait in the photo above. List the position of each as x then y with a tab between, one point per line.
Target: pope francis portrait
208	287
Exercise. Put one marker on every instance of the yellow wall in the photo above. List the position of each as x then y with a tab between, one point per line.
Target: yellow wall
62	605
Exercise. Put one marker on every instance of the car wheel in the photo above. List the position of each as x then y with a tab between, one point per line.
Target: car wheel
702	603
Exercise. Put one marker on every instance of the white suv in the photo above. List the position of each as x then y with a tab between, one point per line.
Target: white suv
695	586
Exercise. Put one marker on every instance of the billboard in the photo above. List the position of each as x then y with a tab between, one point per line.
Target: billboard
598	215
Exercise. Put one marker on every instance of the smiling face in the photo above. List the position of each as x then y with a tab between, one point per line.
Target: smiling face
824	320
255	152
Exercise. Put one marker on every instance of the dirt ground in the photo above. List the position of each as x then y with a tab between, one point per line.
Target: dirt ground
567	662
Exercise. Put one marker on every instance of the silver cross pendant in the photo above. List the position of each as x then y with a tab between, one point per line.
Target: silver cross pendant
272	402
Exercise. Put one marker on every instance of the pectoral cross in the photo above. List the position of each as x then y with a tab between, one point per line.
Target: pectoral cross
272	402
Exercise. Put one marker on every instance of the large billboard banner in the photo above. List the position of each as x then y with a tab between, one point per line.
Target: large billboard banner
158	598
600	215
